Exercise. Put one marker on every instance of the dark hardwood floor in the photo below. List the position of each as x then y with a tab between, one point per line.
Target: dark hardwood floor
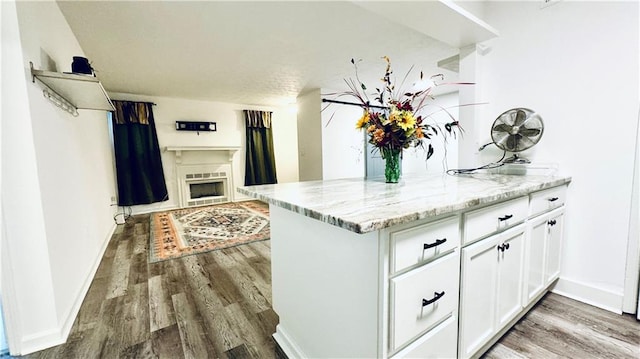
218	305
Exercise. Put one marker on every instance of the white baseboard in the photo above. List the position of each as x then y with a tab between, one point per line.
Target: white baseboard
38	341
590	294
56	336
286	344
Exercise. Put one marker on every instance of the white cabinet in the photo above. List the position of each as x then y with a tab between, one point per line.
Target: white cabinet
510	271
554	246
543	252
534	259
446	286
494	218
438	343
491	287
424	269
420	244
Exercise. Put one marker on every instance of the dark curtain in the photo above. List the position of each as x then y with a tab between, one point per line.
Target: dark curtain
138	164
260	160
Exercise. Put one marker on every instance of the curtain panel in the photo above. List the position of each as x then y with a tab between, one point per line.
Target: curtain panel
139	170
260	163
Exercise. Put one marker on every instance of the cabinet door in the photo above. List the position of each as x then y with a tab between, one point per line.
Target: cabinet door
510	270
478	295
554	245
534	271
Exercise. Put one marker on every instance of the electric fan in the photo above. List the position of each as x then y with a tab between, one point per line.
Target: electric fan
516	130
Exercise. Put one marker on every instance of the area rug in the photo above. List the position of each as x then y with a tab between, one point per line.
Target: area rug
196	230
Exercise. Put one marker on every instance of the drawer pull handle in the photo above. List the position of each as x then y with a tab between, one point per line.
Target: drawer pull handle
503	247
502	219
434	244
553	199
552	222
435	298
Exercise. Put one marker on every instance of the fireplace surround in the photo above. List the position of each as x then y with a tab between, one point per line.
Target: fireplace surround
204	174
203	184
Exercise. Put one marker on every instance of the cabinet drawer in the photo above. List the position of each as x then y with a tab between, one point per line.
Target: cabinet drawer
548	199
423	243
423	297
439	342
497	217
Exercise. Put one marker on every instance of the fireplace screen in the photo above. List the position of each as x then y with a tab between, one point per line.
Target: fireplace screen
208	189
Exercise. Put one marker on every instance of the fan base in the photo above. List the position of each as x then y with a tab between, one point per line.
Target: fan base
516	159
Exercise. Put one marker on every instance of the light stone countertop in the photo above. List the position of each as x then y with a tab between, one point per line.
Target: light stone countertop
363	206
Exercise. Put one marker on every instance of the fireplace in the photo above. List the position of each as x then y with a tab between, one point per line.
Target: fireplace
204	184
207	189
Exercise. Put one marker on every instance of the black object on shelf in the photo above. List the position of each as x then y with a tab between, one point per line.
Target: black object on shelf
80	65
195	126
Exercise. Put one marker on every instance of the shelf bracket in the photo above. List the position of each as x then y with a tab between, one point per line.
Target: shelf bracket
59	101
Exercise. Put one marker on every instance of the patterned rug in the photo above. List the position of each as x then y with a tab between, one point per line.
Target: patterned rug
195	230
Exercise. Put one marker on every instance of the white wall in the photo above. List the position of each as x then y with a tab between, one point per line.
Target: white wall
58	213
27	291
310	136
445	155
575	63
342	144
230	132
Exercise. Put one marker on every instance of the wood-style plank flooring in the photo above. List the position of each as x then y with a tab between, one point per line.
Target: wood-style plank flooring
218	305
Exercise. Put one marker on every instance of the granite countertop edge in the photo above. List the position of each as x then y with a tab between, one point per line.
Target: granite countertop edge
367	226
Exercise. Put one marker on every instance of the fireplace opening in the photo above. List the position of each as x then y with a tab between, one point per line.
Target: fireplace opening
203	185
207	189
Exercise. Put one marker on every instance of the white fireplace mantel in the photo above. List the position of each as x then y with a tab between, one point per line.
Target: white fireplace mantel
231	150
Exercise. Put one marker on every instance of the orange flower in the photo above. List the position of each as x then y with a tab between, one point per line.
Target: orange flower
378	135
419	133
371	128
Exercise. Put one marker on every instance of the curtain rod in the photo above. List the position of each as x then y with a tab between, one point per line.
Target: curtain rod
354	104
151	103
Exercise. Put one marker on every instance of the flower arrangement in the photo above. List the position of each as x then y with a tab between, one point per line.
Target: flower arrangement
399	119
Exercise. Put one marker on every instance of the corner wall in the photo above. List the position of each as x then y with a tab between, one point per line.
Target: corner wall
57	184
575	63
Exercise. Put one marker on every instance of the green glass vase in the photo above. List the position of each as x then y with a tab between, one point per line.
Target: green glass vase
391	165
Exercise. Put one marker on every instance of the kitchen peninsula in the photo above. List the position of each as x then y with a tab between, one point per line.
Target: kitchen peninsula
434	266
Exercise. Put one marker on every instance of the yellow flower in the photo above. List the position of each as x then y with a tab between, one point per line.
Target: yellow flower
371	128
363	121
406	120
394	116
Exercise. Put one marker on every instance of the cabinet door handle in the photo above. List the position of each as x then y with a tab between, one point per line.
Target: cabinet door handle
552	222
434	244
553	199
435	298
502	219
503	247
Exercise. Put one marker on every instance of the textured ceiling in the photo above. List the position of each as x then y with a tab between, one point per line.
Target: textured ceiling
263	53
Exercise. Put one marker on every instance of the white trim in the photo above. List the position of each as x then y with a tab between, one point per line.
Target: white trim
37	341
13	329
631	302
590	294
286	344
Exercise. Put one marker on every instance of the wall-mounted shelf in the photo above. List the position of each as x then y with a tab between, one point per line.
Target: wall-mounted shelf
442	20
72	91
